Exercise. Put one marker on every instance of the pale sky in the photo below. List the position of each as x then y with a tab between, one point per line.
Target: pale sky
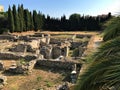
57	8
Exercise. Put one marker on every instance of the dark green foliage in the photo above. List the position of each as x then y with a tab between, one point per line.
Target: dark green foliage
16	19
35	20
31	22
3	23
3	30
10	20
40	21
113	29
25	20
21	17
103	72
74	21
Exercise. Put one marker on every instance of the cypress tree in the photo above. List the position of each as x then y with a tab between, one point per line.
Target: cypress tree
10	20
27	19
16	19
21	18
31	22
35	20
40	21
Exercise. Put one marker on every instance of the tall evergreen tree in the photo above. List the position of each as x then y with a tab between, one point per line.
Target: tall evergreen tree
40	20
27	19
16	19
35	20
31	22
10	20
21	17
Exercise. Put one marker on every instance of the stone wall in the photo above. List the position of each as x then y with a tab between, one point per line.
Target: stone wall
3	81
46	51
66	65
7	37
81	50
16	56
56	52
1	65
9	56
75	45
82	35
55	41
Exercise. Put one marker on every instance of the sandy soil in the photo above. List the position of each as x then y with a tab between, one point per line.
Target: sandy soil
49	32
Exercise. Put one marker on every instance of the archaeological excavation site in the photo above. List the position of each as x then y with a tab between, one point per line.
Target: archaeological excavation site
41	61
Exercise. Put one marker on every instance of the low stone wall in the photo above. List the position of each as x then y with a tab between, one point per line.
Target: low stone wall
31	65
9	56
7	37
82	35
66	65
75	44
14	56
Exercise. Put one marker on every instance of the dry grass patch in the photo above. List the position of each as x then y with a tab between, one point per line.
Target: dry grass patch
36	80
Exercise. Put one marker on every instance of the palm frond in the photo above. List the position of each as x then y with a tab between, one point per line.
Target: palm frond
113	29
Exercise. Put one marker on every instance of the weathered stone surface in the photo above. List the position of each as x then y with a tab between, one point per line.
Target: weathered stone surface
19	69
75	44
18	48
46	51
3	81
1	65
24	38
56	64
81	50
7	37
30	57
15	56
9	56
31	65
82	35
56	52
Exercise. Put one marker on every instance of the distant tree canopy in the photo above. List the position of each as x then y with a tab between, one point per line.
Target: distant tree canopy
20	19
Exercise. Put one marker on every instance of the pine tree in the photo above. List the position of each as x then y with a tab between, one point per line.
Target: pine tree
10	20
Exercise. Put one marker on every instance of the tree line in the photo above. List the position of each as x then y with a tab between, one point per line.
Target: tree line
20	19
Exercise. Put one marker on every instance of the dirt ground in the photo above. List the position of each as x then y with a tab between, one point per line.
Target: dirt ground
49	32
39	78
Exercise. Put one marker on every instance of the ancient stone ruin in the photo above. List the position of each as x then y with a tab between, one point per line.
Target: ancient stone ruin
3	81
41	50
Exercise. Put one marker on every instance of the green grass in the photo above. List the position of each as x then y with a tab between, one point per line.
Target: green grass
39	78
48	83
